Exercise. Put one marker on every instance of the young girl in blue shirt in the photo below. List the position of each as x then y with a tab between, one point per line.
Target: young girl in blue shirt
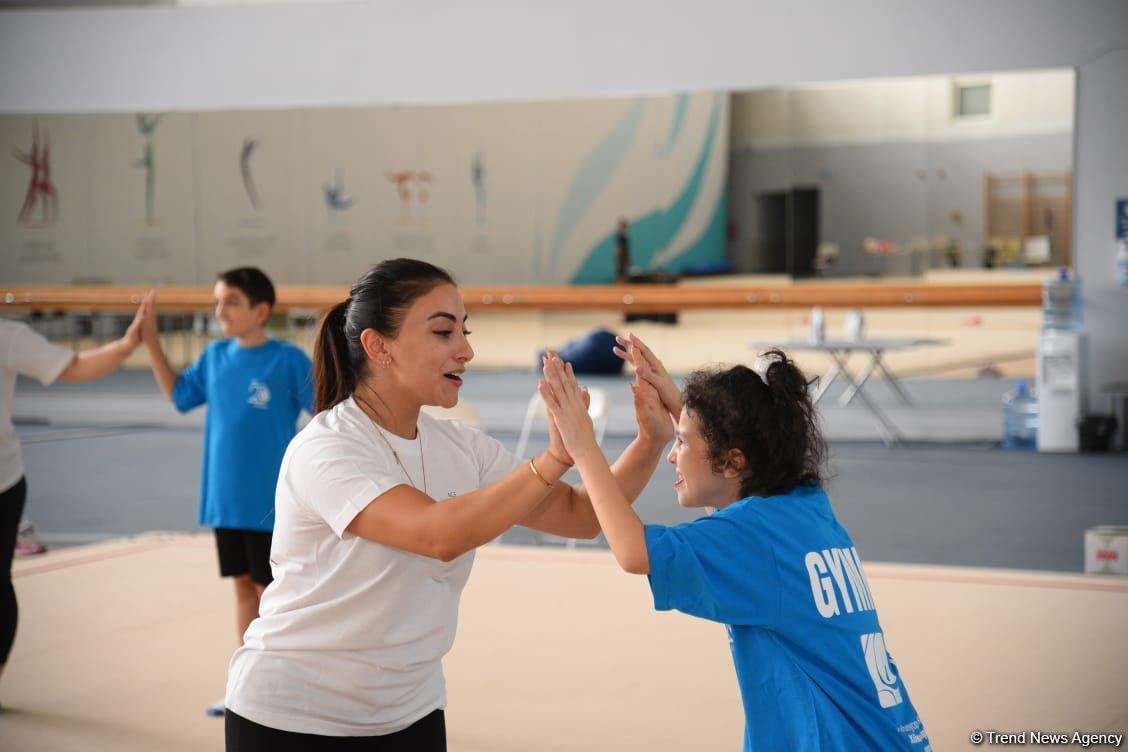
771	563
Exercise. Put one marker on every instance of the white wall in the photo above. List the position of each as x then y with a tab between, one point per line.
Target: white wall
429	50
910	109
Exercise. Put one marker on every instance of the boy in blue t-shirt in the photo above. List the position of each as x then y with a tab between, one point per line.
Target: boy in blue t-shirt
772	563
255	388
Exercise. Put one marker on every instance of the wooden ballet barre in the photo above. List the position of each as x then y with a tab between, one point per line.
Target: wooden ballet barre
632	298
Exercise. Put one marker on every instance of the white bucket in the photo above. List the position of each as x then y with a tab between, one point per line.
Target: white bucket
1106	550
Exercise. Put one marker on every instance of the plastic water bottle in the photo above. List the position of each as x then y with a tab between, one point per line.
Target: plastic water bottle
855	325
1061	302
1020	418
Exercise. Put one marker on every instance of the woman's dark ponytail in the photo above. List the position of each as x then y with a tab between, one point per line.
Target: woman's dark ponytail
333	378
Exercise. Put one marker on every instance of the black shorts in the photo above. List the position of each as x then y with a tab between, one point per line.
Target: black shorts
428	734
244	552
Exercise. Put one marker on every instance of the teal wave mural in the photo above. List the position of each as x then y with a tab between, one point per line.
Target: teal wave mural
653	232
677	121
710	247
590	180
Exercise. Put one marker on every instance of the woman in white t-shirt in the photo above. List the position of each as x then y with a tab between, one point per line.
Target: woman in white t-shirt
379	509
25	352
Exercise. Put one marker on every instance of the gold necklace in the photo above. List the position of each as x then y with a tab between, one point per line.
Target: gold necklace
395	454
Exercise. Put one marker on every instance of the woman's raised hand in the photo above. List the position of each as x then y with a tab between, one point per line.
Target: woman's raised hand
649	368
654	424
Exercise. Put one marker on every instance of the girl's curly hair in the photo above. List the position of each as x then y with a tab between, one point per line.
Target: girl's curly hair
771	420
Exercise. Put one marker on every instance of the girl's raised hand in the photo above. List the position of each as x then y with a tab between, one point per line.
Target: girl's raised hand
555	443
567	407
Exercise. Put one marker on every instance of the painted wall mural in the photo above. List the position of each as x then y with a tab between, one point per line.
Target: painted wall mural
147	126
40	204
245	154
525	192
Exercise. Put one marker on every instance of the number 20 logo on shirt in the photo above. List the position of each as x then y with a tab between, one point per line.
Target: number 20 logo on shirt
877	661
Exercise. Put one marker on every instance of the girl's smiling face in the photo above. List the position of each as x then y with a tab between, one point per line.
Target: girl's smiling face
698	483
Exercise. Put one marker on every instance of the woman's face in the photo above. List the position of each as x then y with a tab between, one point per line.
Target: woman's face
430	353
698	484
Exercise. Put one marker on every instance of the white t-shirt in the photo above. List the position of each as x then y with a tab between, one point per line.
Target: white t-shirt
22	351
352	633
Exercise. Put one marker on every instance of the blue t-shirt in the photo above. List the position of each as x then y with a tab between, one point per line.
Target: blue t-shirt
784	578
254	397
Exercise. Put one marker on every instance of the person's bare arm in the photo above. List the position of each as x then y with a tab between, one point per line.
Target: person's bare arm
95	363
408	519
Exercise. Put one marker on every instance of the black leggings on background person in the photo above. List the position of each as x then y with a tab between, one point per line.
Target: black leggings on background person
428	734
11	511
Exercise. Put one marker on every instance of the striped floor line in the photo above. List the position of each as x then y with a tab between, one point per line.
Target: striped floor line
603	558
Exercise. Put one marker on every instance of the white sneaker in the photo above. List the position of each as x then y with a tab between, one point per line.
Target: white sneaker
216	709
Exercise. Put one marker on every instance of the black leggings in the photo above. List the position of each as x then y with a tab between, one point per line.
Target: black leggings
428	734
11	510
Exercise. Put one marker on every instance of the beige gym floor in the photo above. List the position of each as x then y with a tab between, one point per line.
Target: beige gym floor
123	644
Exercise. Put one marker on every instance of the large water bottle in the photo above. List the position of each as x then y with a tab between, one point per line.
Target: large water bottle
1020	418
1061	301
